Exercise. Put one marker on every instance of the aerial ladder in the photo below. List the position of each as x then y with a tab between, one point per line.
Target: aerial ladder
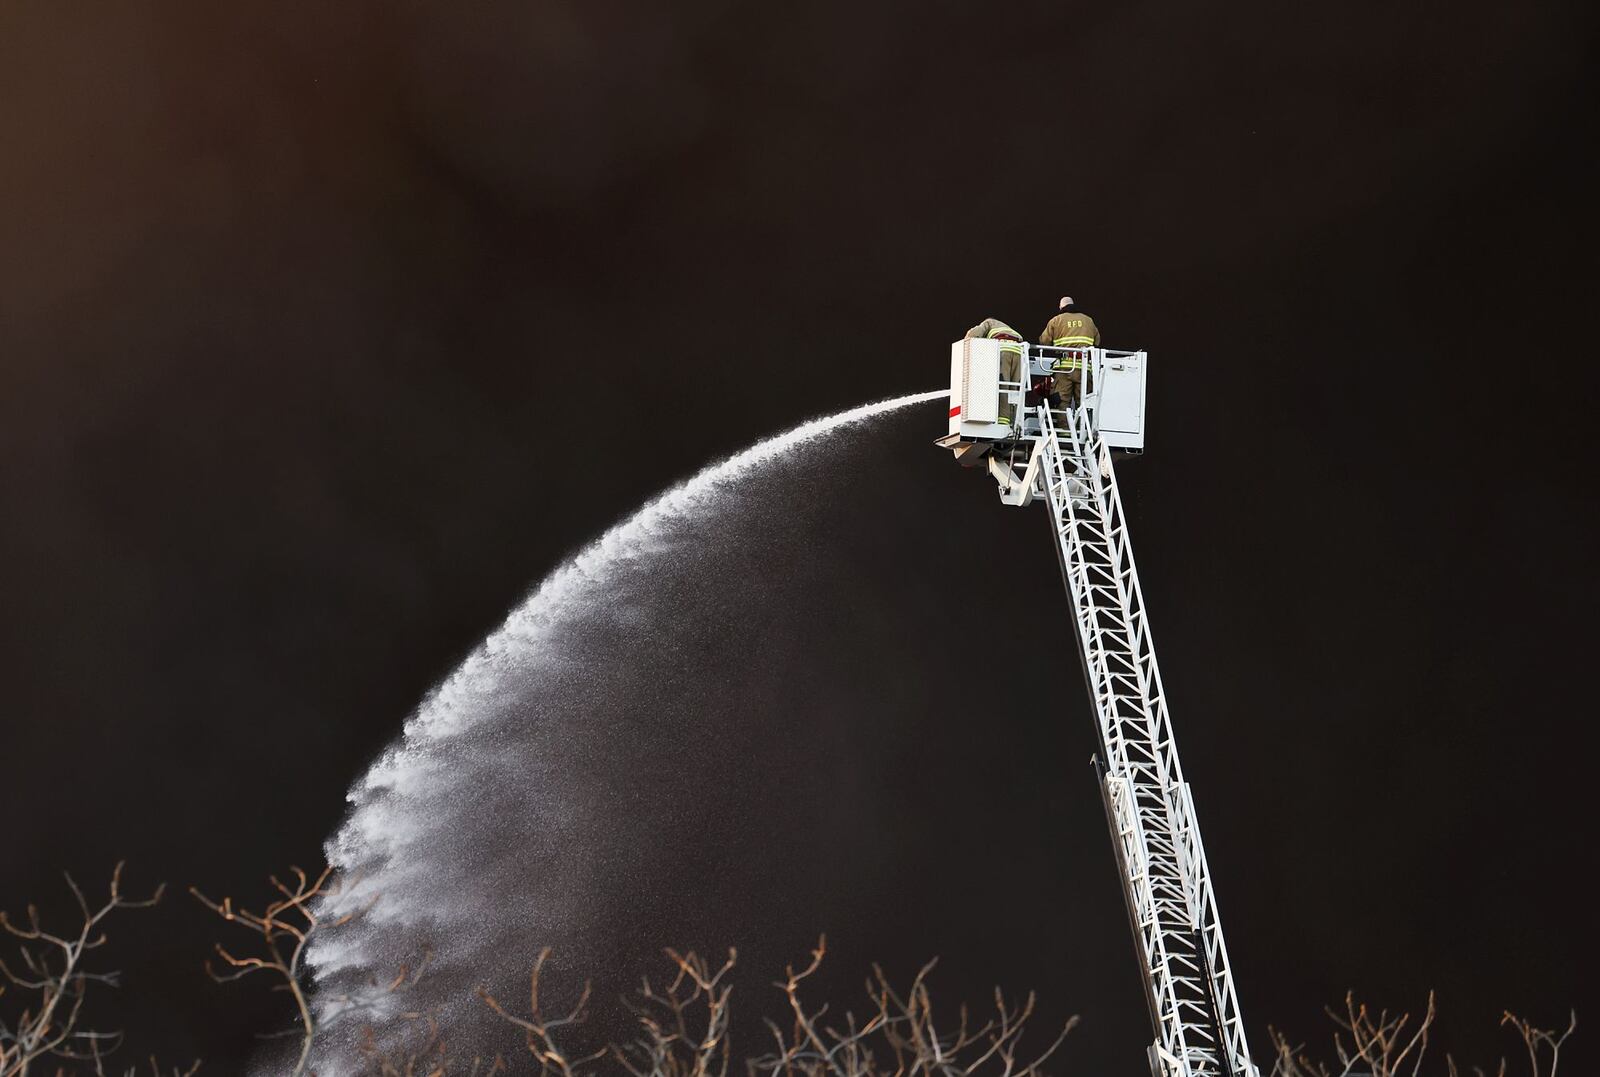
1059	452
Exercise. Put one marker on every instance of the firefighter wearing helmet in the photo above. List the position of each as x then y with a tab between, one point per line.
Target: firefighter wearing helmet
1071	328
1010	355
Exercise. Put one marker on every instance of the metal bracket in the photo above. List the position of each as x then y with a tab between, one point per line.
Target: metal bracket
1015	490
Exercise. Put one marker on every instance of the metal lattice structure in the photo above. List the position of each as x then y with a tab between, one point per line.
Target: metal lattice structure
1161	861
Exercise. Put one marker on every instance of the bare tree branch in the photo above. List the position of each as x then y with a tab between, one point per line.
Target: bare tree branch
1379	1045
539	1029
901	1035
683	1030
1535	1039
285	926
54	984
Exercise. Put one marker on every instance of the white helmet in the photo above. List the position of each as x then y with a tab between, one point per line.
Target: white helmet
1066	301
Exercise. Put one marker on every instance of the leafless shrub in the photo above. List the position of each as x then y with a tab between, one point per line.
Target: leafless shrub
1388	1045
51	984
1382	1044
285	926
541	1030
1538	1040
421	1050
683	1028
685	1022
682	1022
900	1035
386	999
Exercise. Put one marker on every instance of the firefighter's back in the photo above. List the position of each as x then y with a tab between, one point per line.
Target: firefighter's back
1071	329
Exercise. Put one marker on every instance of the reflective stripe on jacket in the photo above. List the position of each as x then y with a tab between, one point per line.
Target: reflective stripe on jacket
994	329
1071	329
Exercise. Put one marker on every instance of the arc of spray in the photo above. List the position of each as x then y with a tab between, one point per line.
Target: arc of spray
448	709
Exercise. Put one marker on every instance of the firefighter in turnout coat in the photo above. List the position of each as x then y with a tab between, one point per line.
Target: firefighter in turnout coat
1070	329
1010	355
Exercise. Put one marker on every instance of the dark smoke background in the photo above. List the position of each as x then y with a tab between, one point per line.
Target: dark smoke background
305	309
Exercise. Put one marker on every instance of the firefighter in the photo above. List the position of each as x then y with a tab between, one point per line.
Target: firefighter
1010	356
1070	329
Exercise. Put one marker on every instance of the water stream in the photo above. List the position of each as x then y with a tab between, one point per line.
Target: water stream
545	791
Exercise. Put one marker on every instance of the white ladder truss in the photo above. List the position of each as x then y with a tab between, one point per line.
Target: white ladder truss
1188	979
